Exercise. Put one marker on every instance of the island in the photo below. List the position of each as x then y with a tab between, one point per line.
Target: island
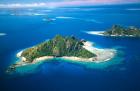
118	31
68	47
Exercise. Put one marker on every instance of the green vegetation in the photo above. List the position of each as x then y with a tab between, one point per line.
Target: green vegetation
117	30
58	46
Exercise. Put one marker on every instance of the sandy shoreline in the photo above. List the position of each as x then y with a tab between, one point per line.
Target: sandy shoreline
102	56
44	58
23	61
101	34
96	32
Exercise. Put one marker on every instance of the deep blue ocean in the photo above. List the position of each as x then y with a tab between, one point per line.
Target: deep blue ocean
26	27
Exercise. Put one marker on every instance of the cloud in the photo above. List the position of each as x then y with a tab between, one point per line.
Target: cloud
54	3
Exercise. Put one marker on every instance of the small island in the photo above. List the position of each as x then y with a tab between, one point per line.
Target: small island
69	48
118	31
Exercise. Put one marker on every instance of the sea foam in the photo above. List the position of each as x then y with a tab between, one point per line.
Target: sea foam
64	17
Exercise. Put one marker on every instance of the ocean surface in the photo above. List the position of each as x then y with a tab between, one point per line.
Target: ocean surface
26	27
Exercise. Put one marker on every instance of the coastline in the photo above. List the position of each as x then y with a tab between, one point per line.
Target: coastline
96	32
103	55
37	60
100	33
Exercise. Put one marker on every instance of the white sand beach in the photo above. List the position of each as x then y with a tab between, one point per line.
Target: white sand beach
23	59
44	58
78	59
96	32
101	34
102	56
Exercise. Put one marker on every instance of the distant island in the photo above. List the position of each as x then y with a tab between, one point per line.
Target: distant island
69	48
119	31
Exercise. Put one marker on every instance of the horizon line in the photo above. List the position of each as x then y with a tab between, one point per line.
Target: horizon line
60	4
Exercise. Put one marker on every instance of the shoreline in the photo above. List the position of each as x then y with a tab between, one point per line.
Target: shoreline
95	33
100	33
103	55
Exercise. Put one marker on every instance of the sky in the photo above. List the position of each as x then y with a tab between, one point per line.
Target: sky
59	3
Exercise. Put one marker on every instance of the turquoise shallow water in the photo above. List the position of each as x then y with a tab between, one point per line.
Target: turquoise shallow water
24	30
33	68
